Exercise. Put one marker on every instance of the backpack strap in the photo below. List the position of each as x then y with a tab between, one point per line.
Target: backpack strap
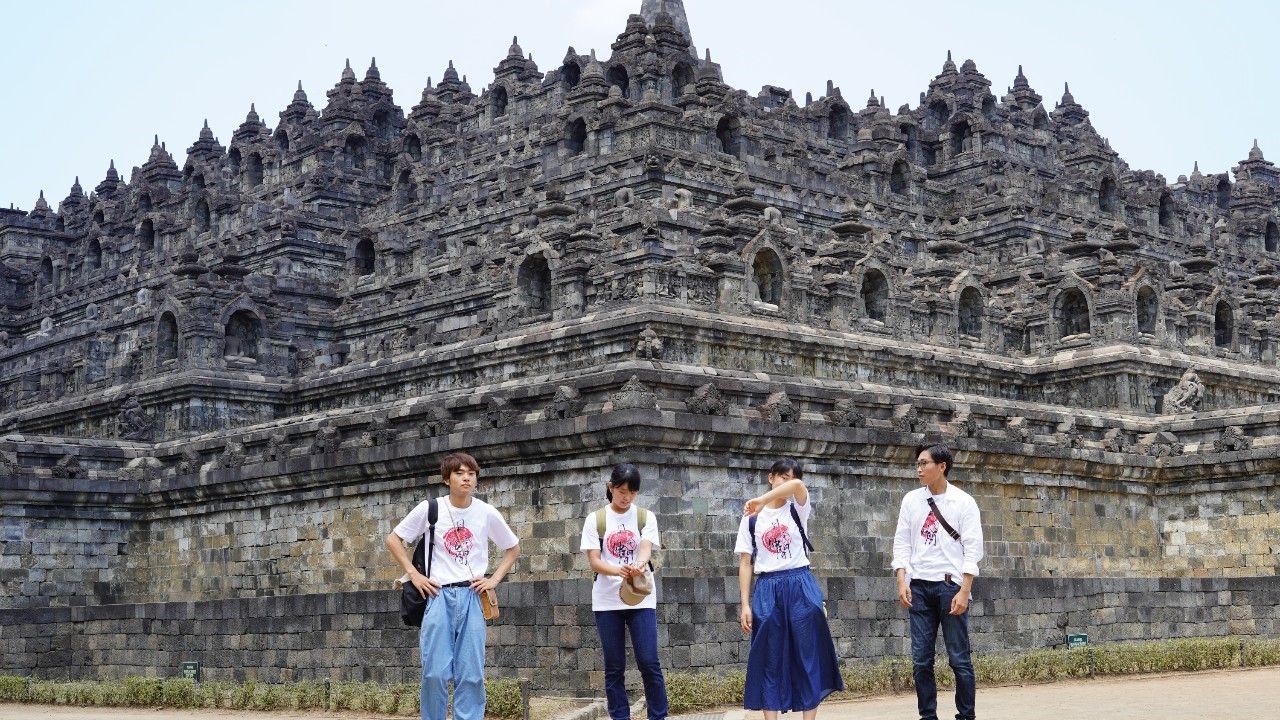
433	514
795	515
642	517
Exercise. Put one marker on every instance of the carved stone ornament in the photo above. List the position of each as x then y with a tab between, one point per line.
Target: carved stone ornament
567	403
328	439
707	400
233	455
277	447
634	395
1159	444
1232	439
1115	441
9	464
1185	396
190	462
133	422
846	413
141	469
964	425
499	413
437	422
380	432
68	468
1017	429
649	345
779	408
906	419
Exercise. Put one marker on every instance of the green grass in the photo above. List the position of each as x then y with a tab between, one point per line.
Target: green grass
504	699
685	691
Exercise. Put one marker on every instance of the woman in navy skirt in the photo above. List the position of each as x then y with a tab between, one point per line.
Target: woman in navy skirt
792	664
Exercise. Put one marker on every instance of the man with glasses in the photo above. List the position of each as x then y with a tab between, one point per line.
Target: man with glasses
936	551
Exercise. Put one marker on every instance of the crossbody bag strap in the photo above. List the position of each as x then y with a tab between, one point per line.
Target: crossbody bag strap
945	525
433	514
795	515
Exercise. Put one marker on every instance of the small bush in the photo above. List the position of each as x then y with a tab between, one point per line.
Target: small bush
690	691
504	699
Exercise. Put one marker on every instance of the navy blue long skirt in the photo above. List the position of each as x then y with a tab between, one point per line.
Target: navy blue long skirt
792	664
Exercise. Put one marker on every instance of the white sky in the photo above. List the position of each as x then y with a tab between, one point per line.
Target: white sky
1169	82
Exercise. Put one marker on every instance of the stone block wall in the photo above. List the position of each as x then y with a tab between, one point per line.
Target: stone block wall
547	634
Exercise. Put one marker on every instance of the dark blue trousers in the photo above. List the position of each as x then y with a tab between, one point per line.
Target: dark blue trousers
931	608
642	623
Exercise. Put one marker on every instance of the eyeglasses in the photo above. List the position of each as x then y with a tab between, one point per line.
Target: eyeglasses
925	463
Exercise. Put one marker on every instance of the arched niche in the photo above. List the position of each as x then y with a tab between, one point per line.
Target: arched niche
729	132
282	139
406	189
533	283
875	295
382	126
1072	313
618	76
233	162
146	236
498	102
1165	213
1224	325
93	256
766	277
1271	238
1107	195
838	123
898	178
681	77
365	258
1148	310
353	151
961	138
969	313
200	216
575	136
243	335
413	146
1222	194
570	76
166	338
253	170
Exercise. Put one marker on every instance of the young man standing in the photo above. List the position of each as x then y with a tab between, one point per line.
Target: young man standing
936	551
452	640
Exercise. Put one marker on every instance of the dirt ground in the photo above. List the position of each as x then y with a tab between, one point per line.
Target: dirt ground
1219	694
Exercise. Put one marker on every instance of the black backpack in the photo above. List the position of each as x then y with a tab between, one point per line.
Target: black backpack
412	604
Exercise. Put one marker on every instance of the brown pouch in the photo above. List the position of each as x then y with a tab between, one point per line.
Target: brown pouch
489	603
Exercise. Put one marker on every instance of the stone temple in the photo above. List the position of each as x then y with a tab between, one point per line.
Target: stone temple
224	381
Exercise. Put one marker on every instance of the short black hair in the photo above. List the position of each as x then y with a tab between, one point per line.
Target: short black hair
939	453
623	474
782	466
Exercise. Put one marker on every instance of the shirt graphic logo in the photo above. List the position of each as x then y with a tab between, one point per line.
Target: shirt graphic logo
622	544
777	540
458	542
930	530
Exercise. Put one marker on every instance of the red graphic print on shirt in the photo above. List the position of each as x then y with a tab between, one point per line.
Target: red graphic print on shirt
930	529
458	542
777	540
622	544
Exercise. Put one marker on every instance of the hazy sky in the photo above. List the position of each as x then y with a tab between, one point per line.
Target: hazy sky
1168	82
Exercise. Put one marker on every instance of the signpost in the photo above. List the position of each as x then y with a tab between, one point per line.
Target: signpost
191	671
1077	641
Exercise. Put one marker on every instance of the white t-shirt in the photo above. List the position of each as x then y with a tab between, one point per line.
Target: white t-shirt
622	540
461	550
778	542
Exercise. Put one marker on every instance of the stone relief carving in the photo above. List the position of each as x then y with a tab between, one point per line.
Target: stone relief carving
132	421
707	400
634	395
1017	429
779	408
1185	396
141	469
1232	439
328	439
649	345
189	462
379	432
846	413
907	419
233	455
567	403
68	468
436	422
499	413
1159	444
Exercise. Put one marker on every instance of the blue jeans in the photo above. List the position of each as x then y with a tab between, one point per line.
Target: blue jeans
642	623
452	648
931	607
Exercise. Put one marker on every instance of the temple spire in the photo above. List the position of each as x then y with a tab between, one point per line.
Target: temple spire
650	9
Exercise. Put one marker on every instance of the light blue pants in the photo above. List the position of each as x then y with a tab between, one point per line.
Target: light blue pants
452	648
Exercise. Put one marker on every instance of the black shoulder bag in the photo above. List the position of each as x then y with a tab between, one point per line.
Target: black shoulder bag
412	604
